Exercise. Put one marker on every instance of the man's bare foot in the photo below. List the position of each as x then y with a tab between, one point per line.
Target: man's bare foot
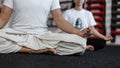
48	50
28	50
52	50
25	50
90	48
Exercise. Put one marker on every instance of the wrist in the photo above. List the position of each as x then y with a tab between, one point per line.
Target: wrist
103	38
80	33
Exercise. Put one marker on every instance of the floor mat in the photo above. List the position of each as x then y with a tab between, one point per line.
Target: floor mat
109	57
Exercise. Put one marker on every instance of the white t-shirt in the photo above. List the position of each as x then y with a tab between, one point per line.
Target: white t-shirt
31	15
79	19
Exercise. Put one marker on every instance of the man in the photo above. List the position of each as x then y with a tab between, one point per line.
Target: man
28	30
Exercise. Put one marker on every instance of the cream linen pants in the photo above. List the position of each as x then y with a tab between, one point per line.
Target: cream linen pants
11	41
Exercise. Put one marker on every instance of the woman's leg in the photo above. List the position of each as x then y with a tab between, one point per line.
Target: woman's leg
96	43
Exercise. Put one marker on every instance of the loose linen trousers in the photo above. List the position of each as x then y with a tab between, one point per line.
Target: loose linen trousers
11	41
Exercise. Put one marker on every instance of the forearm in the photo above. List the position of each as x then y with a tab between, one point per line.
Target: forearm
2	22
5	15
96	33
65	26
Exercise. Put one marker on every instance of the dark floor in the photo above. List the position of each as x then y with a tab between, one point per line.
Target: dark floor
109	57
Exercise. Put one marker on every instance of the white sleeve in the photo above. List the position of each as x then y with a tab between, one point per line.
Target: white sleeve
8	3
55	4
65	15
91	20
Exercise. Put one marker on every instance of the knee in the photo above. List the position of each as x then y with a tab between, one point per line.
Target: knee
97	43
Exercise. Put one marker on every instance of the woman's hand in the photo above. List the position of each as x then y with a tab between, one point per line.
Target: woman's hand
107	38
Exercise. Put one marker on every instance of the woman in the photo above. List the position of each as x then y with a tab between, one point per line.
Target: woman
81	19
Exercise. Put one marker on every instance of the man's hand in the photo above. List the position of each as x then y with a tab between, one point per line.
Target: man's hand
85	33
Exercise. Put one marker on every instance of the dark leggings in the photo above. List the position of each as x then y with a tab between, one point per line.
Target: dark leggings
97	43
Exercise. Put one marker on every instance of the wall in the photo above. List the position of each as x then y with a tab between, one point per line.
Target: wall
108	21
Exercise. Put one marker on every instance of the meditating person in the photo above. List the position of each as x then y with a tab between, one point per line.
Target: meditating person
81	19
27	31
